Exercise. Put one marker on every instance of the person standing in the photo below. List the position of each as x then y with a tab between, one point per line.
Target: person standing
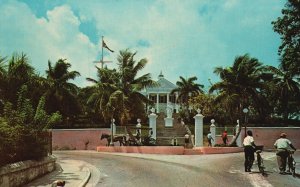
209	138
249	148
283	145
224	137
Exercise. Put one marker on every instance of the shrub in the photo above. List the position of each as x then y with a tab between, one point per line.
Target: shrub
23	131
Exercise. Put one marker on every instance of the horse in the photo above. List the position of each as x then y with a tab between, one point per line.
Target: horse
120	139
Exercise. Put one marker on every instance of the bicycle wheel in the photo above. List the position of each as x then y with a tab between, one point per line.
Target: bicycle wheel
260	164
294	168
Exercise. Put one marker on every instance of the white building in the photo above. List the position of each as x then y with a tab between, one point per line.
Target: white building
161	95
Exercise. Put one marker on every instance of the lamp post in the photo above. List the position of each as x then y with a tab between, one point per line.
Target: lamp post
245	111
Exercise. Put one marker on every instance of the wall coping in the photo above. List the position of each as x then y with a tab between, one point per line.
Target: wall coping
22	165
273	127
80	129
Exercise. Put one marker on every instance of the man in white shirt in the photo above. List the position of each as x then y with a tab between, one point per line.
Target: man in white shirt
249	148
283	145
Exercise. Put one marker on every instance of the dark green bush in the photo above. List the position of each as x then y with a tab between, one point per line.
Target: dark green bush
23	131
18	143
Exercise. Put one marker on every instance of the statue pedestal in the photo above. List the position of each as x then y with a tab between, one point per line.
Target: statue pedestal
169	122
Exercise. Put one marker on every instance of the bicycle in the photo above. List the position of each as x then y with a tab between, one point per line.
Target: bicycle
260	161
291	163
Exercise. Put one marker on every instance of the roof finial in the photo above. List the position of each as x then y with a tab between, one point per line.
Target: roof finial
160	75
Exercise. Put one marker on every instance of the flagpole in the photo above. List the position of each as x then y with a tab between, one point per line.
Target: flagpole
102	62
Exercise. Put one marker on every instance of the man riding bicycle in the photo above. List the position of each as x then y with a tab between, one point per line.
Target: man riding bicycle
283	145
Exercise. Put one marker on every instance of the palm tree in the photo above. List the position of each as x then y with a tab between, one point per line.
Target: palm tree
187	88
286	91
19	72
99	94
240	85
61	94
131	85
3	72
117	93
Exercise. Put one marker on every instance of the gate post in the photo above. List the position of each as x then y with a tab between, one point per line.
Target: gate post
213	132
152	123
199	129
239	138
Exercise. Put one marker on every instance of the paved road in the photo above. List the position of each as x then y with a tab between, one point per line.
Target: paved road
177	170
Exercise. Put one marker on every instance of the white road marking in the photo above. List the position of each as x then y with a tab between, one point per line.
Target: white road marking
256	179
270	157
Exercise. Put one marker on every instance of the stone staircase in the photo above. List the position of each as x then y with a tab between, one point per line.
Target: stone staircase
165	135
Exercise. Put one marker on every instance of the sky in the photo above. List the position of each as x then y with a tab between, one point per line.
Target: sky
178	38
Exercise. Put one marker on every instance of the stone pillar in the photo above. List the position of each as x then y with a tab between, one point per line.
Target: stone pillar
199	129
213	132
157	103
114	128
239	138
138	125
139	131
152	123
113	131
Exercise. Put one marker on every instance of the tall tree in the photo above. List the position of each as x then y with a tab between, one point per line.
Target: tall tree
240	86
3	72
60	93
19	72
100	92
117	93
288	27
187	88
285	91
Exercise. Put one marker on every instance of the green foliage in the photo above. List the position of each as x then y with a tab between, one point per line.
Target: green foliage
288	26
117	92
286	78
19	142
22	130
44	121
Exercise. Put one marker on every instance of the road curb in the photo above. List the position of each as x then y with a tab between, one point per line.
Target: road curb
86	178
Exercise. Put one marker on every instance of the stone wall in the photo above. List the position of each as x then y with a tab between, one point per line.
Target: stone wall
20	173
76	138
79	139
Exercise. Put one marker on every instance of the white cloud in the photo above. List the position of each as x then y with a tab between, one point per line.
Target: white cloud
42	39
186	38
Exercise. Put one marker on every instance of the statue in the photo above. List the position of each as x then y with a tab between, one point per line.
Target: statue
169	112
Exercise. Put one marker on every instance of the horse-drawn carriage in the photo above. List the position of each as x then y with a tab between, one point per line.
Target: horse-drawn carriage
131	139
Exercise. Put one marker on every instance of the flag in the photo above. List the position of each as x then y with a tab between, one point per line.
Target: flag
105	46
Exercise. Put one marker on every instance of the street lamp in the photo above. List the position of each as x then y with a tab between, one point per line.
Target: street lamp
245	111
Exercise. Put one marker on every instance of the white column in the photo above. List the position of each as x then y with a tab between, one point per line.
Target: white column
168	98
157	103
213	132
152	122
176	105
199	129
239	138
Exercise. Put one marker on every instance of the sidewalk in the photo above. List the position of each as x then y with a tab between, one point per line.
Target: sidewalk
73	172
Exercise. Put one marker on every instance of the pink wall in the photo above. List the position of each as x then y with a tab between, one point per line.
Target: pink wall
268	135
76	138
